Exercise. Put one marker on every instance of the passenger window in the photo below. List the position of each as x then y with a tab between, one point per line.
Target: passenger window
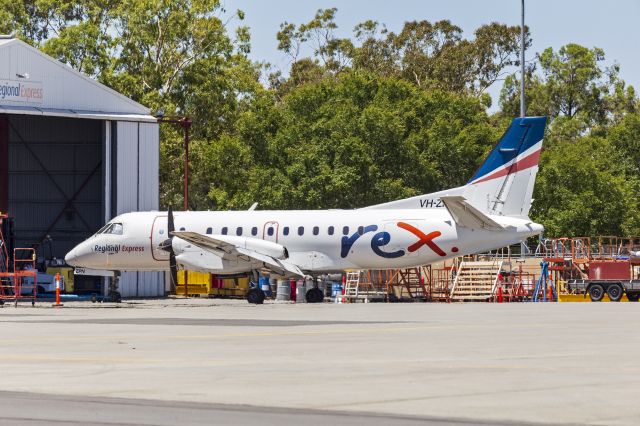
285	230
345	230
224	231
209	231
316	230
254	231
360	230
239	231
270	231
330	230
300	230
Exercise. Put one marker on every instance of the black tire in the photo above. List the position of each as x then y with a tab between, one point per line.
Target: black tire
41	290
596	292
615	292
255	296
115	296
314	295
633	296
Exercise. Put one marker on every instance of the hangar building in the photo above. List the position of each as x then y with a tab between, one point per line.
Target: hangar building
73	154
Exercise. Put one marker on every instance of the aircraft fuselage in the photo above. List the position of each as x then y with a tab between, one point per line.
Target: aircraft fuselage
316	240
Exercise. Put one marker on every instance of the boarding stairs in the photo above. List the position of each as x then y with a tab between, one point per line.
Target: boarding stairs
409	283
477	280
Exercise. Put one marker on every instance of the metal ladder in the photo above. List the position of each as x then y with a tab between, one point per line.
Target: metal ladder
351	287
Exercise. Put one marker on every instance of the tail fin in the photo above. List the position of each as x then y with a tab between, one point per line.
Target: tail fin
503	185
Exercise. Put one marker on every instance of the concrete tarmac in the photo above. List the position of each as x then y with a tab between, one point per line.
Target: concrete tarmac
197	362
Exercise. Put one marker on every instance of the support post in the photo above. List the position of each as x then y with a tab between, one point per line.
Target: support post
4	163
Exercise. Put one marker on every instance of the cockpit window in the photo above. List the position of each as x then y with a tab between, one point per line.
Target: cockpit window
112	228
101	230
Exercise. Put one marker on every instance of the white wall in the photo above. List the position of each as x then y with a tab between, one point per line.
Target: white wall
138	189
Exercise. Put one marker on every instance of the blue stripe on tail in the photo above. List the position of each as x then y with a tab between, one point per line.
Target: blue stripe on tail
520	136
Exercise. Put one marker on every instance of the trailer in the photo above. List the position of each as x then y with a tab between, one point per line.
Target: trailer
611	277
615	289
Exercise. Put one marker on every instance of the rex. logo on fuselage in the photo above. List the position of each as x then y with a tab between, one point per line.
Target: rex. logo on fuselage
383	238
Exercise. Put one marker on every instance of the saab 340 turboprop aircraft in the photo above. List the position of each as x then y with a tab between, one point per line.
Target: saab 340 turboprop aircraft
489	212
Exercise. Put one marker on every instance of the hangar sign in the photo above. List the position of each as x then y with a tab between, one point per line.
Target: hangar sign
21	91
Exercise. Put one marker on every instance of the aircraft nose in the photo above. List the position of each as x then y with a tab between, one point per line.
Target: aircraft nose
81	256
72	257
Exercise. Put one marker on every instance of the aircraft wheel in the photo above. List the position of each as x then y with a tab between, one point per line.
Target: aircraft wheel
255	296
115	296
314	295
596	292
633	296
615	292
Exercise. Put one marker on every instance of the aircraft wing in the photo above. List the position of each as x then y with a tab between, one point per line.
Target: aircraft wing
468	216
228	251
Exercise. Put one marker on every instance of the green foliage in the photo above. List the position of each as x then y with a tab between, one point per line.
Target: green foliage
573	84
350	142
429	55
586	190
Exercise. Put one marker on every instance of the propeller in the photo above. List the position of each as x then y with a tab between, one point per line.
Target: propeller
167	245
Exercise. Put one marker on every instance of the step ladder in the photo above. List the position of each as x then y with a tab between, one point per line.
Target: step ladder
440	285
352	286
477	280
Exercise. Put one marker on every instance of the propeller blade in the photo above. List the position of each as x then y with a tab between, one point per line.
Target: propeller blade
174	272
168	246
170	225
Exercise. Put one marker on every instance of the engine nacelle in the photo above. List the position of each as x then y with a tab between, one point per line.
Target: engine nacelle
268	248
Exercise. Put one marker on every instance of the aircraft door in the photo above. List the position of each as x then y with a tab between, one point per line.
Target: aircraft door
158	235
270	231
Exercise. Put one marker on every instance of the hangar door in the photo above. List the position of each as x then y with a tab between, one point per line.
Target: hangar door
55	180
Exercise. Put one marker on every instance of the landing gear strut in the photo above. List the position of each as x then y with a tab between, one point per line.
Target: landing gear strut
114	284
255	294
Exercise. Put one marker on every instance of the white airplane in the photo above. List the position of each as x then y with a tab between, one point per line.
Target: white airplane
489	212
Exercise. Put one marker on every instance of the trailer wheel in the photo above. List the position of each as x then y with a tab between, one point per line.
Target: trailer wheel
596	292
633	296
615	292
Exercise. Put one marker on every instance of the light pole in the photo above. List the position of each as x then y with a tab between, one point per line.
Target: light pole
185	123
522	42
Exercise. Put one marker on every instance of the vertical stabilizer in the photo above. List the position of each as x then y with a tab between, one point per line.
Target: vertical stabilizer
503	185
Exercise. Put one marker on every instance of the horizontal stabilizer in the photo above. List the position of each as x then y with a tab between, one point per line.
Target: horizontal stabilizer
468	216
